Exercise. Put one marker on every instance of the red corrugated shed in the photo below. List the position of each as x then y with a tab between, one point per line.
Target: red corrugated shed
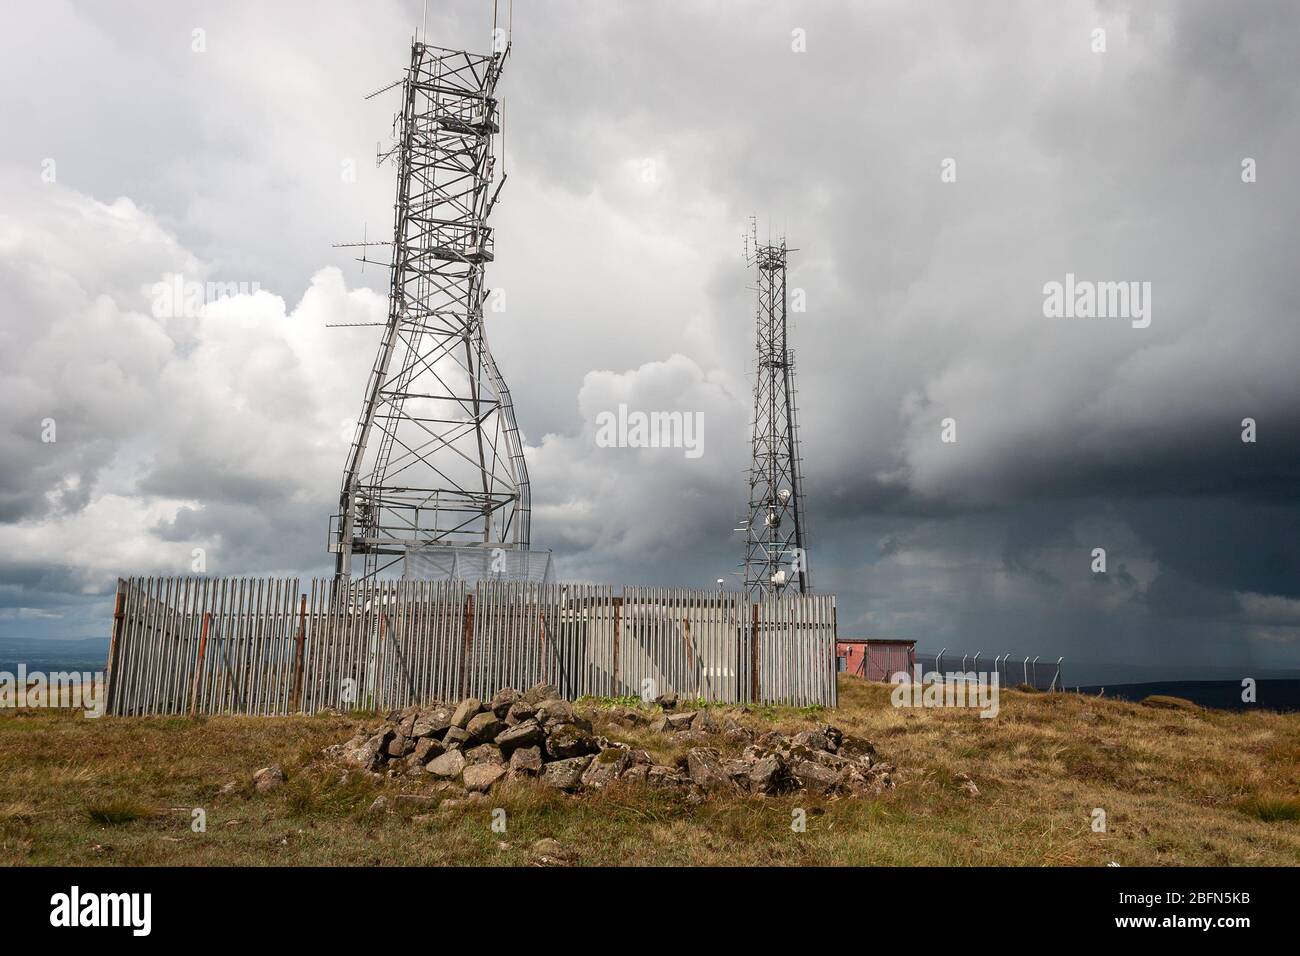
875	658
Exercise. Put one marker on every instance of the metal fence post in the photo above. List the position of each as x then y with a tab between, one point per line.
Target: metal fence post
114	644
300	647
618	646
198	664
467	637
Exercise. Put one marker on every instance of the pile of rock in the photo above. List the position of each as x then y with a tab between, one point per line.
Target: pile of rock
473	744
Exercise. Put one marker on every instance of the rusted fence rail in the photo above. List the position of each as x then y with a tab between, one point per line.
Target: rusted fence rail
269	646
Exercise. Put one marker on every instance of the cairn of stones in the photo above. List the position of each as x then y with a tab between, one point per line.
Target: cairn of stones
472	745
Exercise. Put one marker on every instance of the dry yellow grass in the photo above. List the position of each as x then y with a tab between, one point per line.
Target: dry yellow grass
1178	786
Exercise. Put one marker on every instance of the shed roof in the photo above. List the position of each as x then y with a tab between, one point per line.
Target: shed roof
873	640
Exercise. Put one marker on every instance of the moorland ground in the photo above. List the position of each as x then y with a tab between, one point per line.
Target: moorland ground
1179	785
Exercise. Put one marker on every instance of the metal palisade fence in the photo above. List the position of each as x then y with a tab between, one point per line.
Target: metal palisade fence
1031	671
204	645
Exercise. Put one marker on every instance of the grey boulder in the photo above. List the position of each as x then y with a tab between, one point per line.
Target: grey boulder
484	727
569	740
466	709
565	774
479	777
526	734
448	766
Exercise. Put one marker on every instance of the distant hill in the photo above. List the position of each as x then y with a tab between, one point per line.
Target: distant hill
1280	695
48	654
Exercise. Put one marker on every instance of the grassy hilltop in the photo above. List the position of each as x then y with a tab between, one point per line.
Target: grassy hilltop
1178	784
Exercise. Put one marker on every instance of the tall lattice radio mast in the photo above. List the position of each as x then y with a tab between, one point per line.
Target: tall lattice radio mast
437	460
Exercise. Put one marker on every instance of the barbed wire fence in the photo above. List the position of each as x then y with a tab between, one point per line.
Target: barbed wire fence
1012	670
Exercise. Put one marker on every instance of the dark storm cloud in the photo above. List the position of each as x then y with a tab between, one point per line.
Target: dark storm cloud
924	298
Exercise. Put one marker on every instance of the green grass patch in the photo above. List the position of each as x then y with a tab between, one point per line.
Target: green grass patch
115	813
1272	809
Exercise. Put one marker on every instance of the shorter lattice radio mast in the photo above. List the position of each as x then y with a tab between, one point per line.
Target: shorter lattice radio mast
776	556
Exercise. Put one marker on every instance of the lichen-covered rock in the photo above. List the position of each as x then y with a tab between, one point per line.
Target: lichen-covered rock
704	723
734	733
415	801
606	767
704	767
660	776
484	727
465	710
268	779
767	774
834	761
520	711
856	748
638	773
624	716
426	748
479	777
484	753
448	766
455	738
548	852
737	771
569	740
540	692
812	739
565	774
526	762
526	734
681	721
502	701
556	711
863	781
369	754
431	723
814	777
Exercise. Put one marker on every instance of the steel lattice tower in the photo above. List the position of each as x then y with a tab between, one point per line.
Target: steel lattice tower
776	557
437	458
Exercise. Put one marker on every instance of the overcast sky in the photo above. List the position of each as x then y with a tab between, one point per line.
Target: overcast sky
127	154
